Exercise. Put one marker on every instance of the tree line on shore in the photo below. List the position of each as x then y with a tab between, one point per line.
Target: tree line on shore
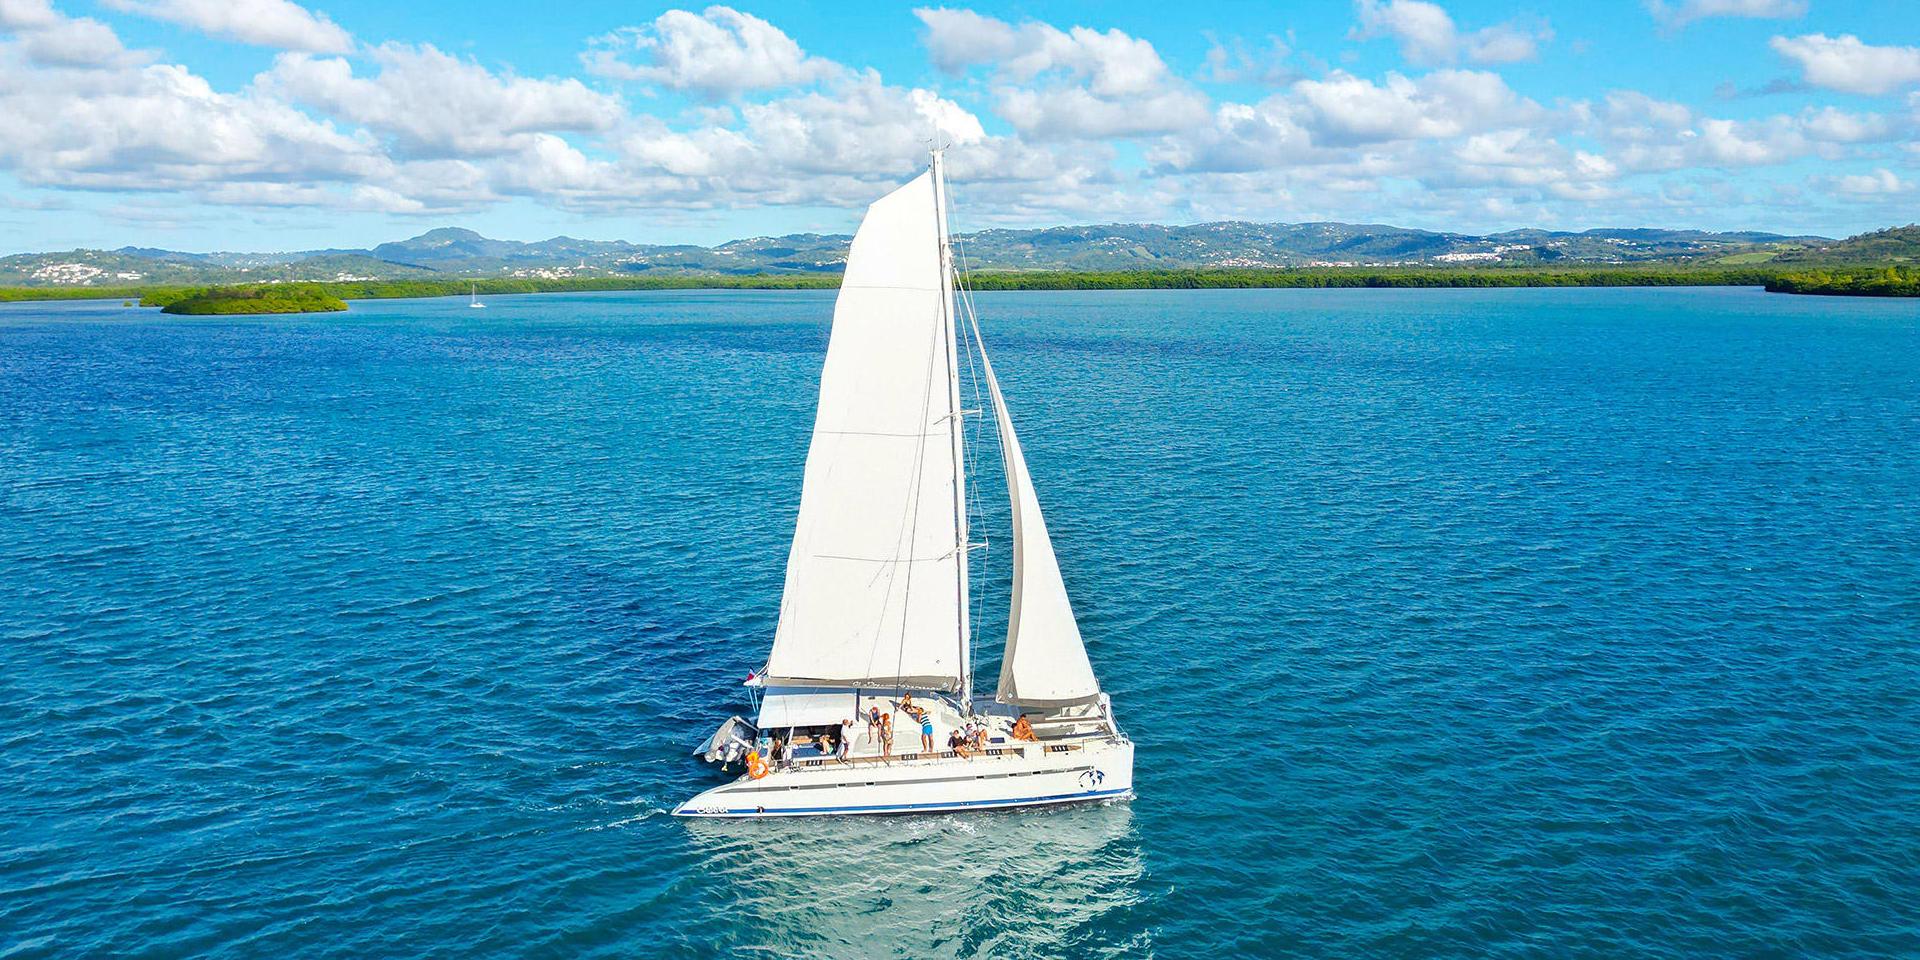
302	297
1884	282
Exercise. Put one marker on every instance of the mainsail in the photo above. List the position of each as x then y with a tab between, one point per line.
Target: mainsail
876	591
1046	661
876	580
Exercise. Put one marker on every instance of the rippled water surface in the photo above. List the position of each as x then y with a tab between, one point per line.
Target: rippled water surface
1574	623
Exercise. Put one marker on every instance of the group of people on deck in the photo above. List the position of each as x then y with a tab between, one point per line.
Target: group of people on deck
969	739
880	725
837	741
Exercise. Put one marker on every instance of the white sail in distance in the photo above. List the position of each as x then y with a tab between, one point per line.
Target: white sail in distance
876	579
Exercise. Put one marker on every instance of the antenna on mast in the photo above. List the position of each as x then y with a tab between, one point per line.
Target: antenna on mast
935	146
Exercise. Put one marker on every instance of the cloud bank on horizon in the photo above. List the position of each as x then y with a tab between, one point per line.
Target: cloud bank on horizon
716	119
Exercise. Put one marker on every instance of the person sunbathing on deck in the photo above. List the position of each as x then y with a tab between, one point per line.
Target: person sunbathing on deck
957	743
1023	730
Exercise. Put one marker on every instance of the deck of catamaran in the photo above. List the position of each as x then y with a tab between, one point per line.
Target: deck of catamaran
997	739
1074	758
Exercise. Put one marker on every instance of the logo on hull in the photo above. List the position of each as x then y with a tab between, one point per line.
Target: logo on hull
1092	779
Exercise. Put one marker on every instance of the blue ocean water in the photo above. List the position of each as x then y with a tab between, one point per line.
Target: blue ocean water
1571	623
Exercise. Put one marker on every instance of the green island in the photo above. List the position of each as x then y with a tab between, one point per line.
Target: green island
267	298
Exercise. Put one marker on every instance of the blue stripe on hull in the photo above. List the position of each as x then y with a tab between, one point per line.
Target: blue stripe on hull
901	807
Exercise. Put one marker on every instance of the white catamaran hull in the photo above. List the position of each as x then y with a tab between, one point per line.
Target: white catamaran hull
1027	775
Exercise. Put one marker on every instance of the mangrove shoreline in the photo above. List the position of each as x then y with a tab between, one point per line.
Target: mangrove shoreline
1886	281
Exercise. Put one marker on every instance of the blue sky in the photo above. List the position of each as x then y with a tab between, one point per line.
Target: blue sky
267	124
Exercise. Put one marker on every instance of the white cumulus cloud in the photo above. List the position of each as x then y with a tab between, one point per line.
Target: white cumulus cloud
1054	84
1343	109
1845	64
119	129
1677	15
27	14
44	37
434	104
1048	123
1879	183
1075	113
267	23
1113	63
717	53
1428	36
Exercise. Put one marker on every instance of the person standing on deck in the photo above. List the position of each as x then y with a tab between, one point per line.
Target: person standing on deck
926	722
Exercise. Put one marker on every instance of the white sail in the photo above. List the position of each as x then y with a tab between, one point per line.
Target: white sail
876	577
1046	661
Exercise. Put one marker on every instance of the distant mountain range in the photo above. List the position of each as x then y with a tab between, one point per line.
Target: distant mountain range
451	252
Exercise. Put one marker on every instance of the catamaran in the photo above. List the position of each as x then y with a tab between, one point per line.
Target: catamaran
875	618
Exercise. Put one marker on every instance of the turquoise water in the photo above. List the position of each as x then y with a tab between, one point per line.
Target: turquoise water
1572	623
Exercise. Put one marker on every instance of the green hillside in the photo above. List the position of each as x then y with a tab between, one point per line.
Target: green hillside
450	253
1894	245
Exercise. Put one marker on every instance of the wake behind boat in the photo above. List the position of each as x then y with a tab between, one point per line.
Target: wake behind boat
874	621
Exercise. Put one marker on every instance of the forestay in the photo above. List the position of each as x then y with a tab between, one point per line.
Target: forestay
875	578
1046	661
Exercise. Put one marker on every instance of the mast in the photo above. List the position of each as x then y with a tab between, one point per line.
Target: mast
955	427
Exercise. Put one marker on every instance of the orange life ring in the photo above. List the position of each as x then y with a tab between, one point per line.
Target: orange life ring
756	767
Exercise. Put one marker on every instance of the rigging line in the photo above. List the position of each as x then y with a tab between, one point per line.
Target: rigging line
971	601
976	358
964	284
977	601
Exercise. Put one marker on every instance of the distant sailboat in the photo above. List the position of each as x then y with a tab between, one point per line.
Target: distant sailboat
875	613
473	297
